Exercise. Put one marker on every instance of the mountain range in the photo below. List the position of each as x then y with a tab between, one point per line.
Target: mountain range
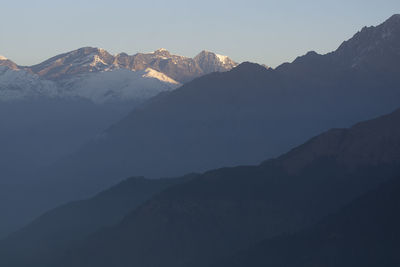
247	114
330	200
96	75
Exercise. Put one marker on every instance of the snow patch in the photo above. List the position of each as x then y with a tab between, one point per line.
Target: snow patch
20	84
98	87
119	85
222	58
96	61
3	58
151	73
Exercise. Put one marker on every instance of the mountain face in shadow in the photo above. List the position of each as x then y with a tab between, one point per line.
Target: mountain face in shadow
226	210
216	214
250	113
62	227
364	233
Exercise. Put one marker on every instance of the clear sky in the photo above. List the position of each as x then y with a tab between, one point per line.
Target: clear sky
268	32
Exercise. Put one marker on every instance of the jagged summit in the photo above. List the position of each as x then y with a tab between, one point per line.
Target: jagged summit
162	52
221	58
373	47
387	31
79	61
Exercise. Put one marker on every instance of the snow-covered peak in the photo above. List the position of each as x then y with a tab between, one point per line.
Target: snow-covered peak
3	58
151	73
220	58
211	62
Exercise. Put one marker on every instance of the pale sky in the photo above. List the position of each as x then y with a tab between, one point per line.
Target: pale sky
268	32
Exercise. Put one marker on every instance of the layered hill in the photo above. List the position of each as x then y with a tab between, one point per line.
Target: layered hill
226	210
213	216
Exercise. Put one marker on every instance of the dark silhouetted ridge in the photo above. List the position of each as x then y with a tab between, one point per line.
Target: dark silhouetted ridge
223	211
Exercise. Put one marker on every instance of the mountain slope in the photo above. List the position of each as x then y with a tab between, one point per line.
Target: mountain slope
58	229
230	209
118	86
364	233
18	84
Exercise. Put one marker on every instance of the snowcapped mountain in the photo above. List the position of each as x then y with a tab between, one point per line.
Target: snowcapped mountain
211	62
77	62
96	75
